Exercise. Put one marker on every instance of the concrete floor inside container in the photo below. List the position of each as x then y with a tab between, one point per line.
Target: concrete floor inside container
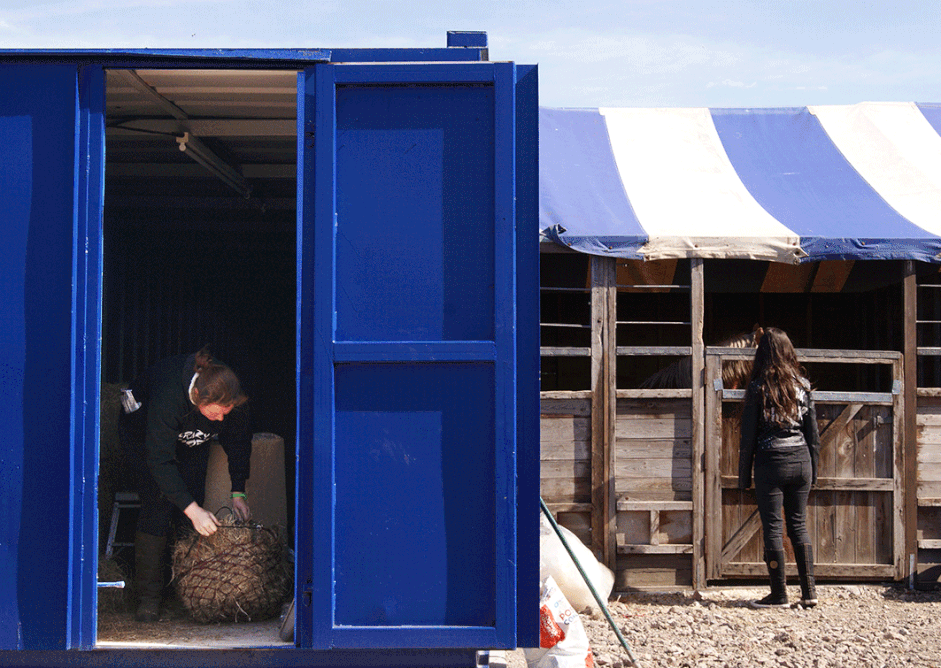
199	248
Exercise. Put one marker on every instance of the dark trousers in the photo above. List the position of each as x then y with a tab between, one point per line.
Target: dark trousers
782	482
157	515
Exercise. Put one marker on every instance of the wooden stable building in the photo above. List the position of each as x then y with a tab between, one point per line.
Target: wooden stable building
648	292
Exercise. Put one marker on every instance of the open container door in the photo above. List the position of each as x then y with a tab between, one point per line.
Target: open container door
51	168
410	268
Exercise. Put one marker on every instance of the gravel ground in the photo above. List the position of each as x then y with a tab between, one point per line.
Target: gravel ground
854	626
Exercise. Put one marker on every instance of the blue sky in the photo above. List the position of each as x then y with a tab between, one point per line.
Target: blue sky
708	53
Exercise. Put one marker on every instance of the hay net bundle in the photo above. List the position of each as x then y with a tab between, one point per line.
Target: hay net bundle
242	572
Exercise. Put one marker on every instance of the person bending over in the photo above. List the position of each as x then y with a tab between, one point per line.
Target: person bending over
176	407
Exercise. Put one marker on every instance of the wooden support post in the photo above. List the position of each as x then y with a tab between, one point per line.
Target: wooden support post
910	408
712	478
697	309
903	556
603	406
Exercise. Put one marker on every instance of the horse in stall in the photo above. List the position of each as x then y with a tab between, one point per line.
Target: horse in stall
735	374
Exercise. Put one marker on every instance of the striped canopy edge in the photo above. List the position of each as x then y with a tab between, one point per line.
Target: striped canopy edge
796	184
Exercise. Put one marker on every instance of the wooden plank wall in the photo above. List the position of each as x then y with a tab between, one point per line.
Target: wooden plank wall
928	490
653	473
850	526
850	515
659	487
737	506
565	441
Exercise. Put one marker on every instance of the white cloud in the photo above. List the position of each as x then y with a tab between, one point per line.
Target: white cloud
641	52
728	83
646	53
35	11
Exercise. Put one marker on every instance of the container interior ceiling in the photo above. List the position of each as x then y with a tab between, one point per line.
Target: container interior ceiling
200	230
200	243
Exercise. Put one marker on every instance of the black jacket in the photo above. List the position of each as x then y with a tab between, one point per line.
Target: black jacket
173	421
757	434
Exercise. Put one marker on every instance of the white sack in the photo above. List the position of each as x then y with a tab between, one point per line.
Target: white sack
555	562
563	642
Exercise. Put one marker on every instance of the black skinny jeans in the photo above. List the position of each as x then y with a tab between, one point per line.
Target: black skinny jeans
782	481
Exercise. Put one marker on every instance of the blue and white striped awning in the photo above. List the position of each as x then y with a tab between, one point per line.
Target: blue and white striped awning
860	182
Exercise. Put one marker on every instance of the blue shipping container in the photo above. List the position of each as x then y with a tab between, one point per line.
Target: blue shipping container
408	345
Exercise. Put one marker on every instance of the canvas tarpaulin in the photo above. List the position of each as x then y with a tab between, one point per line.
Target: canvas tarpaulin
791	185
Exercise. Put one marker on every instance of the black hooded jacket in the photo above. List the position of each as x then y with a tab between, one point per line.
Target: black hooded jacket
171	421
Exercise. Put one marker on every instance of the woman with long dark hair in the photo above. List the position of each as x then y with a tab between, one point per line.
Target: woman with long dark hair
780	438
170	414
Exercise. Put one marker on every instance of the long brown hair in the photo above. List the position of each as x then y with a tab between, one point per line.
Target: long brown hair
216	383
779	377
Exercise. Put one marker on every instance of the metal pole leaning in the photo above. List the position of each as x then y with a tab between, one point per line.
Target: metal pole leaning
591	587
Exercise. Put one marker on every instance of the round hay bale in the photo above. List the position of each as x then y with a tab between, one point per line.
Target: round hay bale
240	573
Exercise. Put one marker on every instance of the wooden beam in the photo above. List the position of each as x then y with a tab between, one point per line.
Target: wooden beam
654	350
558	351
817	355
905	549
910	406
740	538
629	548
666	393
566	394
654	526
828	435
714	481
834	484
628	505
697	311
610	380
821	570
603	367
826	397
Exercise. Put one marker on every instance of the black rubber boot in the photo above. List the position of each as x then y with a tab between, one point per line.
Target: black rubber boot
804	554
148	575
778	596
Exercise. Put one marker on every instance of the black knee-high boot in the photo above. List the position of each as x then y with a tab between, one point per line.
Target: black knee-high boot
148	575
778	596
804	554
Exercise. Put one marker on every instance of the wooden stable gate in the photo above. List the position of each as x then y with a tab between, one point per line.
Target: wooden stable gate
855	513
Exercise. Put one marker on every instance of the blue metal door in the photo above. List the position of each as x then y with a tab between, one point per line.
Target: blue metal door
409	338
51	167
